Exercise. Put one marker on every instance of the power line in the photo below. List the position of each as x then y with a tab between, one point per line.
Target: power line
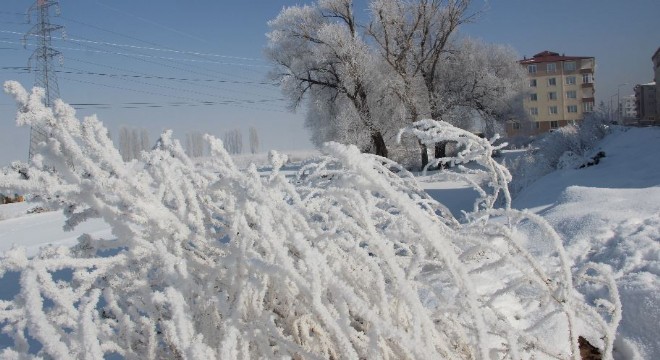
145	42
131	105
140	58
136	39
81	72
176	89
11	13
185	52
246	101
153	22
197	81
174	60
231	102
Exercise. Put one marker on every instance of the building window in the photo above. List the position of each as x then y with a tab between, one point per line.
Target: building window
570	80
587	78
551	67
588	107
516	125
572	108
537	125
552	95
552	110
531	68
554	124
571	94
552	82
569	65
533	111
533	97
532	83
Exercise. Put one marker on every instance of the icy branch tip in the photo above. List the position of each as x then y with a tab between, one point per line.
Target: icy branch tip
15	89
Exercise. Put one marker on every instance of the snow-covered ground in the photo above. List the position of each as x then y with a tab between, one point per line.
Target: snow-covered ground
608	213
32	231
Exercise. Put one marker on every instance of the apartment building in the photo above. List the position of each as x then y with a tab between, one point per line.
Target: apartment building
628	109
656	72
559	91
646	101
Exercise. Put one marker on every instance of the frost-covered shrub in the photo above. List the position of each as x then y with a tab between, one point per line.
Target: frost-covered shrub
567	147
349	260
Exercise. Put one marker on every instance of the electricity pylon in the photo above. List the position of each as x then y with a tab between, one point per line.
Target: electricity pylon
43	57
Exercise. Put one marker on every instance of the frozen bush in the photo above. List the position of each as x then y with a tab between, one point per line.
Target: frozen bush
567	147
352	259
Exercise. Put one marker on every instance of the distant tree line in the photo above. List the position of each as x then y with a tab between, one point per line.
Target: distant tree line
132	141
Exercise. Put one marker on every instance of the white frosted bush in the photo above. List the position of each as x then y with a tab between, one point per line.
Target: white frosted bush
567	147
352	259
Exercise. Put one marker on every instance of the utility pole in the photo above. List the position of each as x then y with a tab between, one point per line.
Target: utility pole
43	57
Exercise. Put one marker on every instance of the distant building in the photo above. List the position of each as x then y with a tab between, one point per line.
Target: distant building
656	72
628	109
559	91
646	102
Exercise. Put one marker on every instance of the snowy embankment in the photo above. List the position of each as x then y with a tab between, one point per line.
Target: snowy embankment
32	231
610	213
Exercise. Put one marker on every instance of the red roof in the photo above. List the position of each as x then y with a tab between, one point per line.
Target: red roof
549	56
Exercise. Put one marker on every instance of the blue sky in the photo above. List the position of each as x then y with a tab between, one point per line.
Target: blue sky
112	37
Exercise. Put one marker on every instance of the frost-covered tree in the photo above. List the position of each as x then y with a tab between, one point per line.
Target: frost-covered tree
132	142
254	140
320	52
233	140
438	76
480	77
365	81
195	144
351	259
412	37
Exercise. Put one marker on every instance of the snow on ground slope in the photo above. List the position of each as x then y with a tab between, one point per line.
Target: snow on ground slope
32	231
610	213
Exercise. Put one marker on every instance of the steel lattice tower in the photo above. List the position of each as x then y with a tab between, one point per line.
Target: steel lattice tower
42	58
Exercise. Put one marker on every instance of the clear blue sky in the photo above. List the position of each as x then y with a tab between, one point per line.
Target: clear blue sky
622	35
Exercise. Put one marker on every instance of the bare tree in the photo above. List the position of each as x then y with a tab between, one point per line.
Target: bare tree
132	142
233	141
254	140
320	52
406	64
412	37
145	144
195	144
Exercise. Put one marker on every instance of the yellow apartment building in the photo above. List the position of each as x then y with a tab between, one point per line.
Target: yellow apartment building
559	91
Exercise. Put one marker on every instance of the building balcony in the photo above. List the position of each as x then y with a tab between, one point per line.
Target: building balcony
588	99
587	85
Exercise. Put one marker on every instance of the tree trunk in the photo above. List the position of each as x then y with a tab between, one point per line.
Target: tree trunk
440	149
378	143
440	152
425	154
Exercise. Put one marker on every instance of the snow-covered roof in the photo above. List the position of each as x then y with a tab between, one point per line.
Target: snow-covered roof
549	56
